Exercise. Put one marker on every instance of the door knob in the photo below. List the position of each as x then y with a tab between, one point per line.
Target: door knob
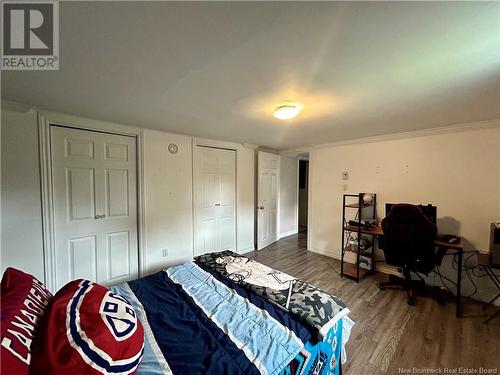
217	204
99	216
261	207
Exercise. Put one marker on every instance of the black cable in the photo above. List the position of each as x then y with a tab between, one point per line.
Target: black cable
468	269
438	272
471	270
473	283
465	267
481	268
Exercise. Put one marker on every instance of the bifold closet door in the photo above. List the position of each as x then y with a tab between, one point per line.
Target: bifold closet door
214	193
95	206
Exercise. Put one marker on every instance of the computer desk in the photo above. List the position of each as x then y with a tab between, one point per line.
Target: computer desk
453	248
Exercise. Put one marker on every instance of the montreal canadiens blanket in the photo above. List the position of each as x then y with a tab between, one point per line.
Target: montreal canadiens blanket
197	321
316	309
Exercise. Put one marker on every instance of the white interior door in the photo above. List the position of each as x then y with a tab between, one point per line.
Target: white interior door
267	197
214	191
95	206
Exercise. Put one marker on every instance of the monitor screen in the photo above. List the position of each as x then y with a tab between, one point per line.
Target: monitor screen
429	210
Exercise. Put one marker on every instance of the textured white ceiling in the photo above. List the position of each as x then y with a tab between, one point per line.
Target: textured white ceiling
217	70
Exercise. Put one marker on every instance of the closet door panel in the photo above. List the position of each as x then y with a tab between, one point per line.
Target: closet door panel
214	195
95	216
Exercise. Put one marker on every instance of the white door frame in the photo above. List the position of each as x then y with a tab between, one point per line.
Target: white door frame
45	120
310	223
200	142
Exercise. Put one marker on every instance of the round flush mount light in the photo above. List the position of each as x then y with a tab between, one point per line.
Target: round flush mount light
287	112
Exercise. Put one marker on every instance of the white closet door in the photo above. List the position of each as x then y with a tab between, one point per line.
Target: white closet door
267	196
215	191
95	201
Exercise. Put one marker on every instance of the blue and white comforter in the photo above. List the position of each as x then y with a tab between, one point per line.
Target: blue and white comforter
199	322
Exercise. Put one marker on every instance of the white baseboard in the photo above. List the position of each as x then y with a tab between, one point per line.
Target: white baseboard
246	250
289	233
328	253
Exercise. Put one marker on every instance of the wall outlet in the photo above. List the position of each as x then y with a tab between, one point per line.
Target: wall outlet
345	175
164	253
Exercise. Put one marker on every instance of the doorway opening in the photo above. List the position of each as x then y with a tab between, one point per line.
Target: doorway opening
303	192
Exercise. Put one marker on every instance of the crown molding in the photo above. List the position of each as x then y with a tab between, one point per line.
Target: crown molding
296	151
268	150
478	125
250	146
7	105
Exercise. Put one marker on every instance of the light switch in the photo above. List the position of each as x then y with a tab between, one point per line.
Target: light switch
164	252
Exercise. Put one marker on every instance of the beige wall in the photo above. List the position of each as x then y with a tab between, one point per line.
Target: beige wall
167	193
288	198
458	171
21	233
168	200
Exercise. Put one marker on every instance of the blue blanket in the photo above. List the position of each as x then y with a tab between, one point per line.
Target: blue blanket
317	309
197	323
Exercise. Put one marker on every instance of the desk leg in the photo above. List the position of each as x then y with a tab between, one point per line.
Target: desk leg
459	285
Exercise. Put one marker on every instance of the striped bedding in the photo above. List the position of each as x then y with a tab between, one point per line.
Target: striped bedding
197	321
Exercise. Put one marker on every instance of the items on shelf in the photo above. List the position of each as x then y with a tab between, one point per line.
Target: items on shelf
357	248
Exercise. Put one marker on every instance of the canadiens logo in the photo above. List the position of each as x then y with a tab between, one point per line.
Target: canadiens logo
118	316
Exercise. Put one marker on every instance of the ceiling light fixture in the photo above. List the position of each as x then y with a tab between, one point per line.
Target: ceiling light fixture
287	112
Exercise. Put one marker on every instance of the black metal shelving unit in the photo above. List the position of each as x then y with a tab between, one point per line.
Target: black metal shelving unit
353	241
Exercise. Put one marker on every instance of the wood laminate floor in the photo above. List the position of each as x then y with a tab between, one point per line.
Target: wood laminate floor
390	335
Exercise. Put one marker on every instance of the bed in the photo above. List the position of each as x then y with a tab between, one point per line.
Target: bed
223	313
227	314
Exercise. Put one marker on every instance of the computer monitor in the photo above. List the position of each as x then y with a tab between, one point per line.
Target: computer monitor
429	210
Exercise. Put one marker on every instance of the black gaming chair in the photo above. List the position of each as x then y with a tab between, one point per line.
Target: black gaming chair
409	244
